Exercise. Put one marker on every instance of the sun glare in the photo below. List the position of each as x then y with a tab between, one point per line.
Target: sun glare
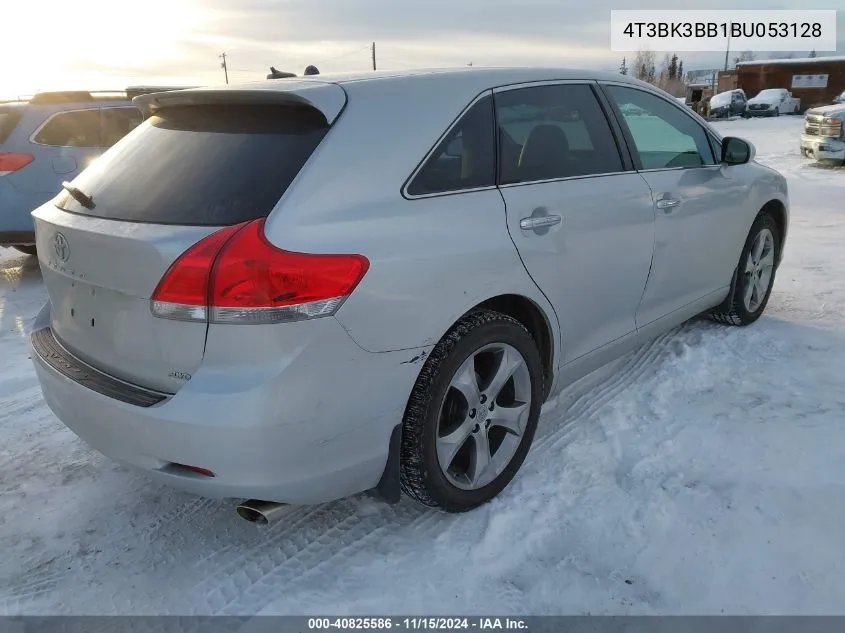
76	39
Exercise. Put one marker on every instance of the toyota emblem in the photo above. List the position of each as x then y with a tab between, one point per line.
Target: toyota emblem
61	247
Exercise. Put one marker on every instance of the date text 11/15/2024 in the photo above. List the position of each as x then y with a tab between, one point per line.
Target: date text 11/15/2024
416	624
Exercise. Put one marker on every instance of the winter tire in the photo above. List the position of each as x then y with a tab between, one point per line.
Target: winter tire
472	414
755	275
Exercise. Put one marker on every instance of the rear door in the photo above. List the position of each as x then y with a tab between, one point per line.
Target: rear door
582	220
184	173
698	203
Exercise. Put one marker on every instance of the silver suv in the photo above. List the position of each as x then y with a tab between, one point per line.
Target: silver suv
301	290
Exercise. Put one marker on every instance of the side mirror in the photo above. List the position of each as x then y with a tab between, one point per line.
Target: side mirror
736	151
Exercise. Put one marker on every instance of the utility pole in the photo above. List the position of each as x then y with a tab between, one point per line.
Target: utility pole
727	50
374	55
224	67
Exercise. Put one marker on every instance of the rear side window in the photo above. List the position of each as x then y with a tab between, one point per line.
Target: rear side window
464	159
550	132
117	123
9	118
202	165
80	128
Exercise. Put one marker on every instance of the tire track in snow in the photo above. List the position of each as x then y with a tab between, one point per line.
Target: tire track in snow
302	544
43	578
592	393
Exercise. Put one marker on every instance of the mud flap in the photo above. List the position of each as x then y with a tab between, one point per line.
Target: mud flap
388	488
725	306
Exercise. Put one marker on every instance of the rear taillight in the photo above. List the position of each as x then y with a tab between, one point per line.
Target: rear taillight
10	163
236	276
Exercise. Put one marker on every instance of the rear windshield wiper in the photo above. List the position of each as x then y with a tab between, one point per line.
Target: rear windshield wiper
80	196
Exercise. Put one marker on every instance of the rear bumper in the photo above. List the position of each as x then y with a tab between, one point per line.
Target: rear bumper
313	427
822	148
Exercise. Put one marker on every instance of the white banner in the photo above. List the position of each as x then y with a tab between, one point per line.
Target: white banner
809	81
717	30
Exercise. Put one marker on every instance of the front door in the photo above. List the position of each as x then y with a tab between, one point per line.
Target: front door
698	202
582	222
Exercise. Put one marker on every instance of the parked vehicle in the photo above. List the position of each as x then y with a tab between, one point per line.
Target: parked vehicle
727	104
239	308
50	138
823	138
840	98
773	102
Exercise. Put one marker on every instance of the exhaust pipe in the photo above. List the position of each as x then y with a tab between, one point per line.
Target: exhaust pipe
261	512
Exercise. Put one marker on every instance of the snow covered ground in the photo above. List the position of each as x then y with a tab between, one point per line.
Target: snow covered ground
702	474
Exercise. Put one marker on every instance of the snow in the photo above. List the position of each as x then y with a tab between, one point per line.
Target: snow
794	60
701	474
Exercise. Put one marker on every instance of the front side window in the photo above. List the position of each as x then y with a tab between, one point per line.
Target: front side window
551	132
664	136
464	159
80	128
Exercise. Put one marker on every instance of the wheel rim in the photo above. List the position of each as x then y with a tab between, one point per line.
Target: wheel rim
758	270
483	416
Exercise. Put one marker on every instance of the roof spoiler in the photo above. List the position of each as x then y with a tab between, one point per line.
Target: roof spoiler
329	99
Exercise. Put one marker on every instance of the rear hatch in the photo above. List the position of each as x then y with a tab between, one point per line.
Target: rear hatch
198	163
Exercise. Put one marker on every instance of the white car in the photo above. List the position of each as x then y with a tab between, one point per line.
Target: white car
824	137
773	102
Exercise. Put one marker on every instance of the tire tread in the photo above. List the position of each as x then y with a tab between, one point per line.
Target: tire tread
412	470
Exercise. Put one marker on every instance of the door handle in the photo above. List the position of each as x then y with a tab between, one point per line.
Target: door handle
539	222
668	203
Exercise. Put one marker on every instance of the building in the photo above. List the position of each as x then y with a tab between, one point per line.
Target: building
727	81
814	80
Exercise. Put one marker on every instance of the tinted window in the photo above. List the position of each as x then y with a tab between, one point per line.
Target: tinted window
465	158
9	118
71	129
664	135
550	132
202	165
117	123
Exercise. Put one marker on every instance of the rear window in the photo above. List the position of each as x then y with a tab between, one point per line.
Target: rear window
9	118
202	165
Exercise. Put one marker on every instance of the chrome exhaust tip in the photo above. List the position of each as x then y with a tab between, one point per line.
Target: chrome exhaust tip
261	512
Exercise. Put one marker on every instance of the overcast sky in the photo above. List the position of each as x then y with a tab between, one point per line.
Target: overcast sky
96	43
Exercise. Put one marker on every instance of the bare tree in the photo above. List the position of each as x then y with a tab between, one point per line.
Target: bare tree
644	65
744	56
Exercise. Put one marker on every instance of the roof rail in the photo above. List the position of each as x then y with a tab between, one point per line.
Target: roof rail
77	96
61	97
137	91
